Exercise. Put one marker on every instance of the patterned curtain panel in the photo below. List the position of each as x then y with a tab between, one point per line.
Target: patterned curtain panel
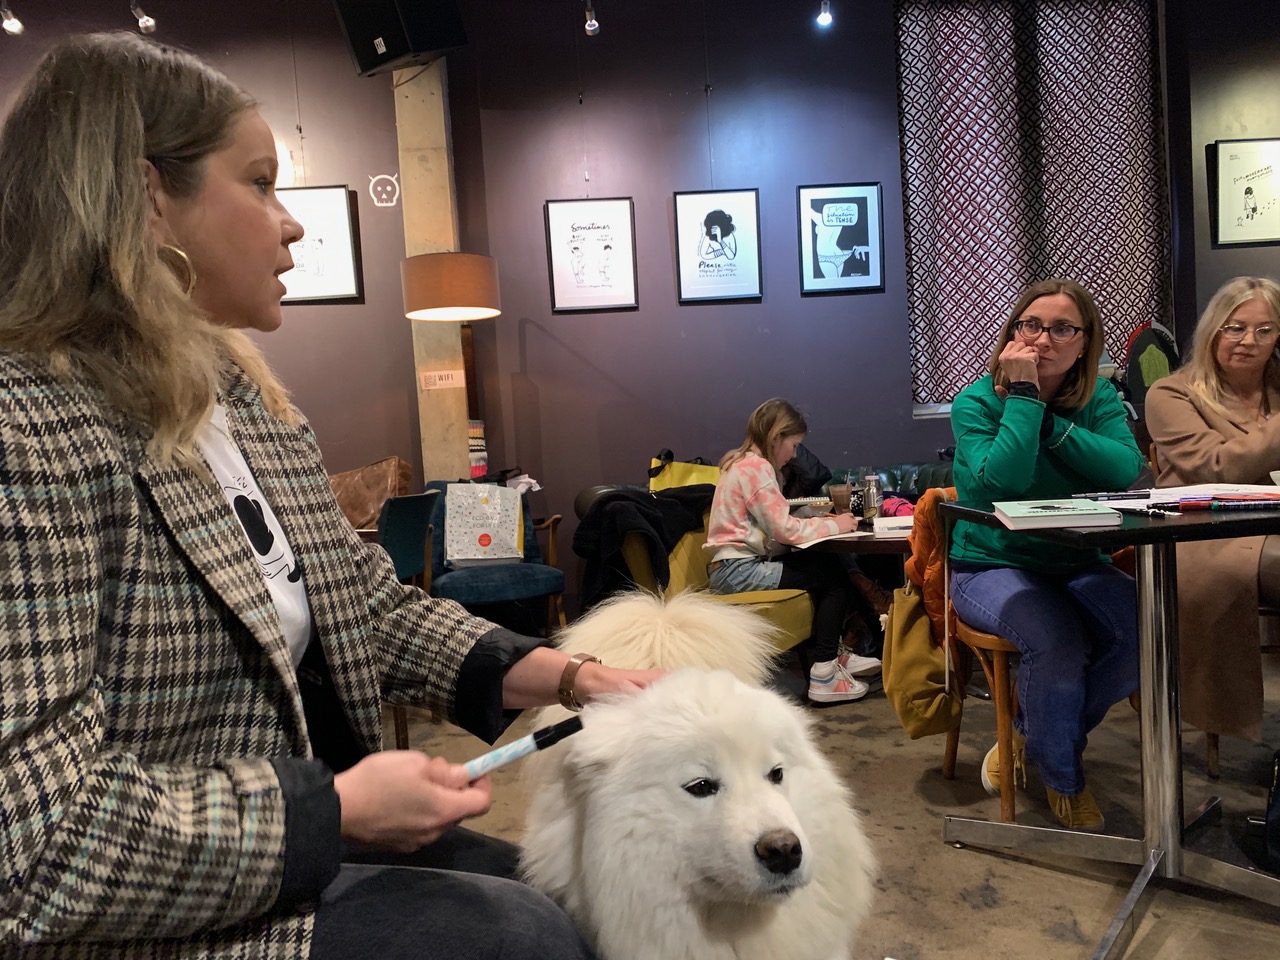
1032	146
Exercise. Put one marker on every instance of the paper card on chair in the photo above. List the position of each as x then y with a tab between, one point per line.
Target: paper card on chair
1036	514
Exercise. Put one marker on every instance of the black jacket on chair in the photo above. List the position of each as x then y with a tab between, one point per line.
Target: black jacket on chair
662	518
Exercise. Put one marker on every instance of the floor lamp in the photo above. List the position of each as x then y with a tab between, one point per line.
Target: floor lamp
455	287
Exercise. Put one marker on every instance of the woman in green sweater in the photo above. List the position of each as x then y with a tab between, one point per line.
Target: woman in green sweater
1041	426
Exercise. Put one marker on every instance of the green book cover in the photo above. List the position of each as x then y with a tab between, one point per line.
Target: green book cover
1030	514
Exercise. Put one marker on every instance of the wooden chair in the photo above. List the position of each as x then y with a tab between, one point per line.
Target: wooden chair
992	652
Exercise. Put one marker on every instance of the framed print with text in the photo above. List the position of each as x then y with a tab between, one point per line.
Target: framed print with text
591	254
326	261
1248	183
841	240
718	245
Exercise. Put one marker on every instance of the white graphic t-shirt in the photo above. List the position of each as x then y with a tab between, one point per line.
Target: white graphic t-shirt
262	529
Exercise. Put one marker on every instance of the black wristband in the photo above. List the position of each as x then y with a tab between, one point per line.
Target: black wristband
1025	389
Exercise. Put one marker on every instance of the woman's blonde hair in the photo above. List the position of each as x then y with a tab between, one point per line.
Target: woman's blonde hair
772	420
82	279
1082	379
1204	376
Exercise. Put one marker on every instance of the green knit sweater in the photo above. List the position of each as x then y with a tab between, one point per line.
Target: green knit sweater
999	456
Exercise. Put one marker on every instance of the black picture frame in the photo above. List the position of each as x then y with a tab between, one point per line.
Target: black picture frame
1246	203
841	233
327	267
591	254
718	245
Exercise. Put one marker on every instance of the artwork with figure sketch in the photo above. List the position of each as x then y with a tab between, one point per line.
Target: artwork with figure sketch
840	238
718	244
591	254
1248	191
326	261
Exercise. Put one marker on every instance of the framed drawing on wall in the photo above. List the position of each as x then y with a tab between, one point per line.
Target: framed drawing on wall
591	254
326	261
841	240
1248	182
718	245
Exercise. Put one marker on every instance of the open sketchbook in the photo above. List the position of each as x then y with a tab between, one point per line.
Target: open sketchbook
855	535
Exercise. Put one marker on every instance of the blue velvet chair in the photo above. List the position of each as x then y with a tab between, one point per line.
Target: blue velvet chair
501	582
404	531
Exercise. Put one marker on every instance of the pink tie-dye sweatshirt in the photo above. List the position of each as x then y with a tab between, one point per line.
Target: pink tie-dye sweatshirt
751	518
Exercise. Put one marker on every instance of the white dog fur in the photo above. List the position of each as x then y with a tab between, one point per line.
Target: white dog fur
645	826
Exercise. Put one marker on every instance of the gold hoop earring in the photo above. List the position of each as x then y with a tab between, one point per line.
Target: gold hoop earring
178	257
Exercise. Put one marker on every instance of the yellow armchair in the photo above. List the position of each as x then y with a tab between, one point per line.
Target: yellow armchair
790	610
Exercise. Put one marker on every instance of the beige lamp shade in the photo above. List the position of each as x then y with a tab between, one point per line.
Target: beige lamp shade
450	286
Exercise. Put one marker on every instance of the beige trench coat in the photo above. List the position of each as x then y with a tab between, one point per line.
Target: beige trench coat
1220	644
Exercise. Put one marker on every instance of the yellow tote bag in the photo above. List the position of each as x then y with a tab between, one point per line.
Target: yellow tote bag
925	694
665	471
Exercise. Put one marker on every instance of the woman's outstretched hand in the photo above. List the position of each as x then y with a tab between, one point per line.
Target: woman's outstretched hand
595	680
402	800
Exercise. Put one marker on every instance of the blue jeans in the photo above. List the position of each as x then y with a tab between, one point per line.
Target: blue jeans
1078	635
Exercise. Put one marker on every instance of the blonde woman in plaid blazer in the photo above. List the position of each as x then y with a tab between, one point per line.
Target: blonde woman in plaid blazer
162	792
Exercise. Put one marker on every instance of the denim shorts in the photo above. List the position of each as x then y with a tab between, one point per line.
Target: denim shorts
741	574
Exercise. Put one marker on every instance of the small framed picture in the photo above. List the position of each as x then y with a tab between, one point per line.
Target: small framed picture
591	254
841	238
718	245
326	261
1248	183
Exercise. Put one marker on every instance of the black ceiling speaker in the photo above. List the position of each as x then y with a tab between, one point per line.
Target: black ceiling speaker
385	35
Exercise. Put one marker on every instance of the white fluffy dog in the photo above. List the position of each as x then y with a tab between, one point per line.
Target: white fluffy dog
695	820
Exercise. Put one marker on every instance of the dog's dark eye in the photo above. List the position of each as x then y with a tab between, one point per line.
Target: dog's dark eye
775	775
702	787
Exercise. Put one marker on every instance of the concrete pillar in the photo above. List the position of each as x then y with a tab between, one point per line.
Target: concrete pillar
431	226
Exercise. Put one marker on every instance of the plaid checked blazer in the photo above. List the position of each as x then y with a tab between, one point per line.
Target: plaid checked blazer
145	682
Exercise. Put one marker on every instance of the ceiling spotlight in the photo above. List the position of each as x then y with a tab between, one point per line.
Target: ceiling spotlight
12	25
145	24
824	16
593	25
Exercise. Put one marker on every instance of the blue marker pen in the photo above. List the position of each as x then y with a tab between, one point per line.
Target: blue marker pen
537	740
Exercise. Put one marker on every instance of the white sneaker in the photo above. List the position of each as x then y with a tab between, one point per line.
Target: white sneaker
835	687
857	666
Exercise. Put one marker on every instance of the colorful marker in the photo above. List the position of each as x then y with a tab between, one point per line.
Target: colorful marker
538	740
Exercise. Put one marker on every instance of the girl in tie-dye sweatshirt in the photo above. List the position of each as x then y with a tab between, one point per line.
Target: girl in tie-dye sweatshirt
751	531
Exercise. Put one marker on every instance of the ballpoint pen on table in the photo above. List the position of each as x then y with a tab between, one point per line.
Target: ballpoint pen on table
1156	510
1113	495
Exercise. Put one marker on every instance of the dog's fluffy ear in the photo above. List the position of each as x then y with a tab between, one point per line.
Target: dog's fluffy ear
606	735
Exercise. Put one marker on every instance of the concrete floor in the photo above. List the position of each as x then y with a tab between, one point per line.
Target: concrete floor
935	901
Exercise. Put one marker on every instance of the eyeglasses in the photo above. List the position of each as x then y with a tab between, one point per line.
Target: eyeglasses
1058	332
1236	331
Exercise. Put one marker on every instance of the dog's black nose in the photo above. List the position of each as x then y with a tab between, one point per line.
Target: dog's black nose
779	851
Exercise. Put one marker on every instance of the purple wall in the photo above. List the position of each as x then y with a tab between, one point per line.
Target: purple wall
577	399
350	367
1234	76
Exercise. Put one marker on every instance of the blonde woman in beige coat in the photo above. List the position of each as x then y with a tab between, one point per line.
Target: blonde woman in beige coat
1215	421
